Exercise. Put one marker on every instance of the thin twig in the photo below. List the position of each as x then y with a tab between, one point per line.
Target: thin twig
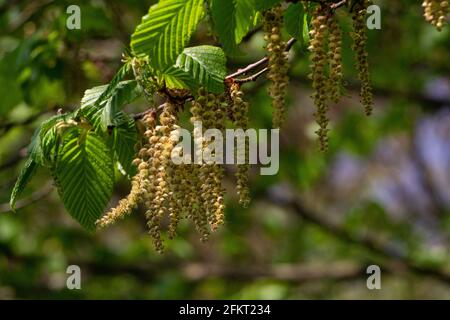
333	6
337	5
257	64
253	77
232	76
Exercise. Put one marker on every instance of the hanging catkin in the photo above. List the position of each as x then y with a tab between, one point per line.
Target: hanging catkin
158	191
240	119
359	47
436	12
135	196
278	62
319	63
335	59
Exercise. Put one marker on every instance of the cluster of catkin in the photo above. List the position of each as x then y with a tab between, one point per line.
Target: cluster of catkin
278	62
436	12
209	109
192	189
326	62
156	185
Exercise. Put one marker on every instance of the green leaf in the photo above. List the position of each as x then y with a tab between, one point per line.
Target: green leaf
101	93
125	137
206	65
91	96
294	20
176	78
41	151
166	30
306	22
45	142
84	175
114	83
232	20
125	92
101	112
25	176
263	5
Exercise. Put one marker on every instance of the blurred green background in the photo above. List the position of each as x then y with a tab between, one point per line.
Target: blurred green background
381	195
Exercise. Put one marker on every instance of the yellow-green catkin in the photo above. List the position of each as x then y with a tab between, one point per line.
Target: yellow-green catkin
176	186
135	196
218	168
436	12
197	212
208	109
335	59
201	213
158	191
359	47
319	63
278	62
240	121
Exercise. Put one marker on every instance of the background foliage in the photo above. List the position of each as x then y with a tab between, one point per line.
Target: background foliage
380	196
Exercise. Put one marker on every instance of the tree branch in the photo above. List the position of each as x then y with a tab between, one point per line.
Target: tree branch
395	258
253	77
34	197
5	127
257	64
293	273
15	159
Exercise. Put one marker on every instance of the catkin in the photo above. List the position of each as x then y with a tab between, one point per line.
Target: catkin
176	186
319	63
218	168
240	119
129	203
359	47
208	109
158	191
278	62
201	213
436	12
335	59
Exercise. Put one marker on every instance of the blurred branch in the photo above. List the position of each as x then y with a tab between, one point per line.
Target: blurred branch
5	127
34	197
21	153
436	207
5	6
199	271
428	101
294	273
395	258
32	8
333	6
118	20
14	160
